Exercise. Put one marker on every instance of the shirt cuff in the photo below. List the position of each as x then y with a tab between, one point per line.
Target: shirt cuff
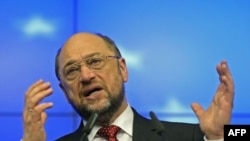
205	139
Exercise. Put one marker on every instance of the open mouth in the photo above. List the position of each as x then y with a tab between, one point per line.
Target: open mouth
91	91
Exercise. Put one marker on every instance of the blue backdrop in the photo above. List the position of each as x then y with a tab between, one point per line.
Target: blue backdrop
171	47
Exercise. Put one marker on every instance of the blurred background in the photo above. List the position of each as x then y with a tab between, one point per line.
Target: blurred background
172	48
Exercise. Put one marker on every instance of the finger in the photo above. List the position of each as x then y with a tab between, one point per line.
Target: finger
36	113
34	100
37	88
219	67
228	76
219	71
219	93
229	89
40	109
198	110
221	64
40	81
228	82
225	69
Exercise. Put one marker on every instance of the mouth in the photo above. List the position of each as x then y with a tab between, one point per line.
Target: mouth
91	90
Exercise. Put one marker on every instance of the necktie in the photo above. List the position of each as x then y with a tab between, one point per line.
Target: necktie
109	132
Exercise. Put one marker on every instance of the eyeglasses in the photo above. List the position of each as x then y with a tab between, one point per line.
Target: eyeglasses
72	71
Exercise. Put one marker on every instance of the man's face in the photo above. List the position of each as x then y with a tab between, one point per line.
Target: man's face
100	90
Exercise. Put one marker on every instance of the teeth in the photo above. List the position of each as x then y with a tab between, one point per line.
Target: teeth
91	92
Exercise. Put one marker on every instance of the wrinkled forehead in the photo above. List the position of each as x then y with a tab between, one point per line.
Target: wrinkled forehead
81	46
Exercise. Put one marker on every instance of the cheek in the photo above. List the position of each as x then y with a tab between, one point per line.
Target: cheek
113	82
71	94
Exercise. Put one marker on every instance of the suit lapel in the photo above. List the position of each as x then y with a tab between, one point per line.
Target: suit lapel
143	129
79	132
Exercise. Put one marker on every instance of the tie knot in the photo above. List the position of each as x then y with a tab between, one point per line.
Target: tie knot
109	132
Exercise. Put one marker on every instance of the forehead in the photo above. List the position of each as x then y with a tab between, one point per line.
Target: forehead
81	45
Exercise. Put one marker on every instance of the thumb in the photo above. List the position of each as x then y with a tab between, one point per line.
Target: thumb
197	109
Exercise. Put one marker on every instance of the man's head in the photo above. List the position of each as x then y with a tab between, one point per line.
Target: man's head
92	73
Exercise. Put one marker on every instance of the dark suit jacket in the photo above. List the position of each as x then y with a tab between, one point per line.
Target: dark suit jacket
144	130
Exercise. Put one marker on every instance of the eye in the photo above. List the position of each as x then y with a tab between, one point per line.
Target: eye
71	70
94	61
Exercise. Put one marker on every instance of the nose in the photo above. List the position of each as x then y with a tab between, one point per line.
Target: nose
86	74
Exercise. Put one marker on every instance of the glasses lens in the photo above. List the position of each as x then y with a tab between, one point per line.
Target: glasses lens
95	63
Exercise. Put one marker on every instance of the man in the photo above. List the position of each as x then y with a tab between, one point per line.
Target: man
92	73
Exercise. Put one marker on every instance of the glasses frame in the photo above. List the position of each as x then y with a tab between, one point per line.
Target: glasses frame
84	62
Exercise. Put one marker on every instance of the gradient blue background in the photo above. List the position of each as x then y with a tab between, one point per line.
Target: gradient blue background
171	47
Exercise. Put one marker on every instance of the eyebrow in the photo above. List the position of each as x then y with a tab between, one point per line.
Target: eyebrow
70	62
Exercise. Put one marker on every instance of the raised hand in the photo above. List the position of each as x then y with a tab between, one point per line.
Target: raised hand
219	112
34	115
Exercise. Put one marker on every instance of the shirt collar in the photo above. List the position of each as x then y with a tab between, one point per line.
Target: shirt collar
124	121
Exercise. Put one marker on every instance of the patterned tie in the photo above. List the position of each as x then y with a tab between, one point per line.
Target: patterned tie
109	132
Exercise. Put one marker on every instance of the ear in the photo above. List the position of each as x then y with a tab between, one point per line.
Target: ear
64	91
123	69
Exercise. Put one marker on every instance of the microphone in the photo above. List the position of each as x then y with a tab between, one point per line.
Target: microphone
88	127
159	127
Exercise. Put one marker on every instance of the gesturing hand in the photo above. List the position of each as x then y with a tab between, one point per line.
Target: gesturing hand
219	112
34	115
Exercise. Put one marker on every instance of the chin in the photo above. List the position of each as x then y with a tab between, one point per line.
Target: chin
99	107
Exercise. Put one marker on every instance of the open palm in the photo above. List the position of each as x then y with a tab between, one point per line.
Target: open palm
219	112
